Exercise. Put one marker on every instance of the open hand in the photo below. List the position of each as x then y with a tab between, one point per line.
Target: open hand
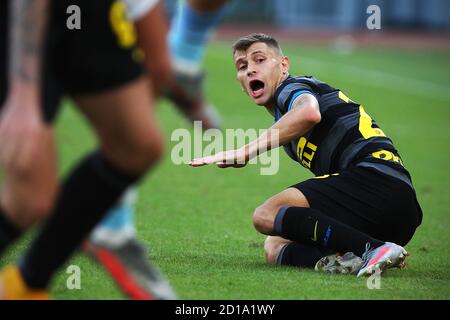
231	158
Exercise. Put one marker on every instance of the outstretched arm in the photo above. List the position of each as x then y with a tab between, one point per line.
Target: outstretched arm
304	114
21	119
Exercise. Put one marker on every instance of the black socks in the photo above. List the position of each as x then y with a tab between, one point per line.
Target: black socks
301	255
85	197
312	227
8	232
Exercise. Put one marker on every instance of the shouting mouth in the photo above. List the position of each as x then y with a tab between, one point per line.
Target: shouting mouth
256	88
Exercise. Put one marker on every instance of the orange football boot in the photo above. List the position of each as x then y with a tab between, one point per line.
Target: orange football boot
13	287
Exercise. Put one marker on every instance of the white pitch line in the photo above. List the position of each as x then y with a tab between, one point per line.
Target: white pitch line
379	79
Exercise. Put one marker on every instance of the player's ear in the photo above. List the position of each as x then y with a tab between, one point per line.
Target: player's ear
285	64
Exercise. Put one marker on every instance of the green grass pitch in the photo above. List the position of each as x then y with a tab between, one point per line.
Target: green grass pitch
197	221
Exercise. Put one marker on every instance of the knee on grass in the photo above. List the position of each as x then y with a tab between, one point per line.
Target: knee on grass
272	249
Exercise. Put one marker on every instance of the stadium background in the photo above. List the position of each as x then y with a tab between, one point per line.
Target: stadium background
197	222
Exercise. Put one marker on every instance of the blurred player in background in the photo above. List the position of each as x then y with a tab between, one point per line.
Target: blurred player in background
97	67
113	243
191	29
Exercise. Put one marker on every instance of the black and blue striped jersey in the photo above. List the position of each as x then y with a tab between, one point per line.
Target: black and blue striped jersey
345	135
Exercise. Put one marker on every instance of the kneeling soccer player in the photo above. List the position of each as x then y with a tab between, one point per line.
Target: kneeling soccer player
359	210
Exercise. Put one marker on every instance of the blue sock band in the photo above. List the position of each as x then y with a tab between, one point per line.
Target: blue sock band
278	223
280	255
191	29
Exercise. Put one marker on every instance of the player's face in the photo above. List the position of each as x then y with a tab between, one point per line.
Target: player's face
260	70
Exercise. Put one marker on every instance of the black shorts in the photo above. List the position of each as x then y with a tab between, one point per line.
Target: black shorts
379	205
100	56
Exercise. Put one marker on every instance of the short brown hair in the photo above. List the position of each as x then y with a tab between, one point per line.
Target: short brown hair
244	43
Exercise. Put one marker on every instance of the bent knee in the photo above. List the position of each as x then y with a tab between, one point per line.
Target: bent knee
263	219
272	249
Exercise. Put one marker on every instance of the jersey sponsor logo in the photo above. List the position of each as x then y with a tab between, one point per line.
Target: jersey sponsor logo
306	151
387	156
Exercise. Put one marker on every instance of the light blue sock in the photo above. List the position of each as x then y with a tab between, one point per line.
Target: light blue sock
190	31
118	218
118	224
